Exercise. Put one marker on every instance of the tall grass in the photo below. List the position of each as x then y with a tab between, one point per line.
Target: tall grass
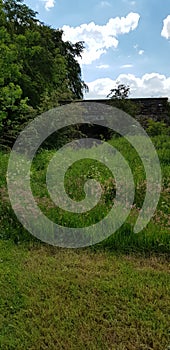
154	238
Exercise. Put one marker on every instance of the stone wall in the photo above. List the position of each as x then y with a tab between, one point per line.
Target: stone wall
154	108
157	108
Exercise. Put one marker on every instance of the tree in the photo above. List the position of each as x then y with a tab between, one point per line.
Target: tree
13	107
37	67
120	92
119	99
48	64
70	51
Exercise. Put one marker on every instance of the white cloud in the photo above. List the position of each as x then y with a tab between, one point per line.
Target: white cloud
103	66
49	4
149	85
126	66
105	4
100	88
99	38
139	51
166	28
132	3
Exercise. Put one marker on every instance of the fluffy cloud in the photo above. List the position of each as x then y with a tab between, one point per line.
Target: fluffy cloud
141	52
98	39
103	66
166	28
149	85
127	66
100	88
49	4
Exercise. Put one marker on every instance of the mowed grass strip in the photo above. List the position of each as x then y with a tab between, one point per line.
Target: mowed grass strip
53	298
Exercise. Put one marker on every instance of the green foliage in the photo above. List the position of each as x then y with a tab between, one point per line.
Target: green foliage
119	99
120	92
156	236
38	69
13	107
80	299
157	128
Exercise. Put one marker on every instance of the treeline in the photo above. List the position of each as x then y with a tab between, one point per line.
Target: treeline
37	68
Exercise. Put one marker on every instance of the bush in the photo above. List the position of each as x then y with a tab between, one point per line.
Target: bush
157	128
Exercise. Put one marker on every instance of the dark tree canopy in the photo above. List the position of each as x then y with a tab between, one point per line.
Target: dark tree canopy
37	68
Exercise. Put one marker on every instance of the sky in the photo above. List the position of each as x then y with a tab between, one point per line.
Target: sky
126	41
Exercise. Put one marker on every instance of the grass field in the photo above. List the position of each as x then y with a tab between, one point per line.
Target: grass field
154	238
115	295
68	299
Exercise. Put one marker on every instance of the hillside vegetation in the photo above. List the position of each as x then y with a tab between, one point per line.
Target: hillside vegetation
154	238
37	70
113	295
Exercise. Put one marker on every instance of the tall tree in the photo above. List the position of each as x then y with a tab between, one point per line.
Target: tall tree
48	63
13	107
37	68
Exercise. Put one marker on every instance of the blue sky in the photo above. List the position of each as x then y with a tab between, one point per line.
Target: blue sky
126	41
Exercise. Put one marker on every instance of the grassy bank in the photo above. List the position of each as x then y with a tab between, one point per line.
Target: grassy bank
111	296
154	238
78	299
